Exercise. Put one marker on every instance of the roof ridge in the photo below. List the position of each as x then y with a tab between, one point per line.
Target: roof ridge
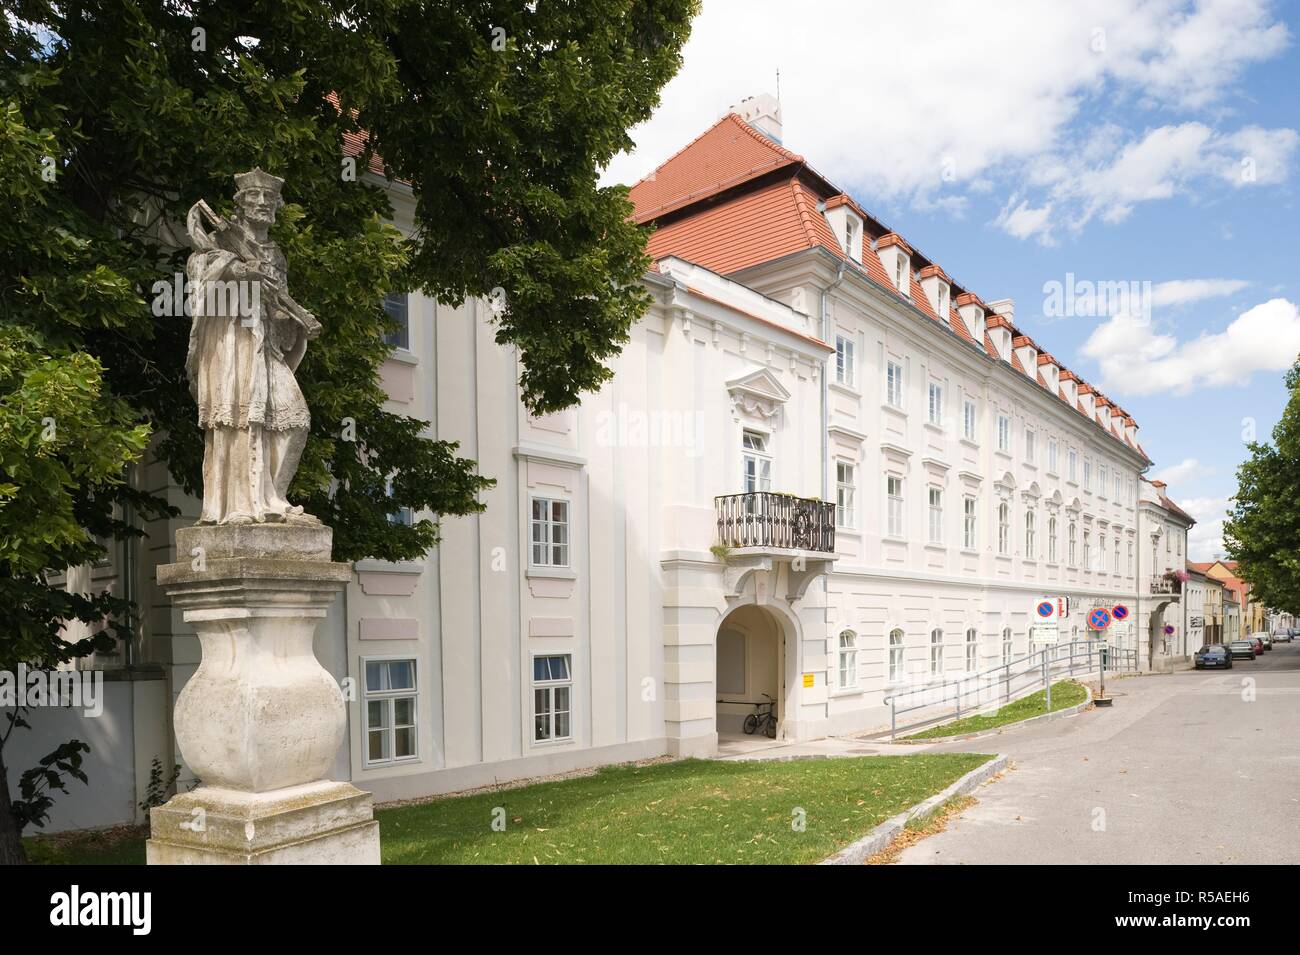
774	146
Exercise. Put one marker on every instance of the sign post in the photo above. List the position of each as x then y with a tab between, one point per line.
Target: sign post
1100	619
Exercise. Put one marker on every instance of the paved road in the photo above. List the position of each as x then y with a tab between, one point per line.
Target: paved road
1182	769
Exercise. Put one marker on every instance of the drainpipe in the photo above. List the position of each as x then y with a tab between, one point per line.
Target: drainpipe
825	396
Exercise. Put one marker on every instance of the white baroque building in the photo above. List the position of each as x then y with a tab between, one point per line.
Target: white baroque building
823	470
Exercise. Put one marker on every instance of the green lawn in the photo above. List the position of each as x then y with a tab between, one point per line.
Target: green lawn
691	811
1065	694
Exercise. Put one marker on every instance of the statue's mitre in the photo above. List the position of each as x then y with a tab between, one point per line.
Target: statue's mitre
256	178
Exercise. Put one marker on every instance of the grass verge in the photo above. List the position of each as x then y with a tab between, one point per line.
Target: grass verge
1065	694
690	811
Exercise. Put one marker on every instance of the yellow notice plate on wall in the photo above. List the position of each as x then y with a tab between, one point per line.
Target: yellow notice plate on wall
809	679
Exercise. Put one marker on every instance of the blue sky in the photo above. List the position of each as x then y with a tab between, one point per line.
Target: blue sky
1015	143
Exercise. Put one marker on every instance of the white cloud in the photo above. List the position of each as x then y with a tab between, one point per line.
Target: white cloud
886	98
1205	540
1135	360
1176	474
1186	291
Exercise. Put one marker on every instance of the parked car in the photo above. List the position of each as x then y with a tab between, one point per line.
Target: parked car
1213	656
1282	636
1242	650
1266	640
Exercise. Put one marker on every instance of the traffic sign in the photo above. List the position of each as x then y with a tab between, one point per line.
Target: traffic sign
1099	618
1119	612
1046	609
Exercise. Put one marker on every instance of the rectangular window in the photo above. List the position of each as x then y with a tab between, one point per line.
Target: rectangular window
1115	568
848	658
845	363
757	474
936	653
972	650
1072	466
896	651
1087	550
1031	552
845	488
390	711
1006	646
936	516
1072	547
552	698
550	532
900	273
1118	486
894	384
894	506
969	423
403	515
1052	455
1004	433
395	305
936	403
969	539
1051	540
1004	528
1031	447
1101	482
1087	475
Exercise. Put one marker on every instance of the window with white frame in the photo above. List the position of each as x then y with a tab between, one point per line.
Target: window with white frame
845	362
1115	568
846	476
1051	540
894	505
936	652
550	532
1004	433
896	658
552	697
901	274
1004	528
1006	645
972	650
1031	446
848	658
970	539
1101	480
943	301
1087	474
391	695
1074	529
936	403
1130	558
1087	549
936	516
894	384
756	461
1072	466
1053	450
1118	485
403	515
395	305
1101	554
969	423
1031	528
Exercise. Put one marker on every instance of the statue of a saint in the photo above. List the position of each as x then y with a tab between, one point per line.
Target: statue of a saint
246	341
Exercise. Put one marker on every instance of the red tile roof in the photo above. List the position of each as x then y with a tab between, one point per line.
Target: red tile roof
734	198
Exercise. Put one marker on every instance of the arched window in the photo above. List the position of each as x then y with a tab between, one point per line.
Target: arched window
972	650
1006	645
895	656
848	658
936	652
1073	553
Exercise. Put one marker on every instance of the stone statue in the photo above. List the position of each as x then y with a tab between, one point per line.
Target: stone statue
247	338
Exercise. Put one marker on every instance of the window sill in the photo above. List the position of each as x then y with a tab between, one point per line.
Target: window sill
844	389
941	548
895	409
404	356
552	573
894	538
970	443
934	426
970	551
845	691
566	741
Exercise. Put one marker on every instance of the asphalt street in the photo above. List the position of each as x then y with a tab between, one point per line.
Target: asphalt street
1196	767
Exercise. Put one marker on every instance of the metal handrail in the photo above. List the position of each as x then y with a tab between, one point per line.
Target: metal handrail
1040	667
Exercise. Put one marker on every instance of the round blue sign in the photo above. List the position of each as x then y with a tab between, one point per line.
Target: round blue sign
1099	619
1045	608
1119	612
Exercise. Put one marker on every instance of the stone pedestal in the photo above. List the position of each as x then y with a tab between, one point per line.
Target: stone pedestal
261	720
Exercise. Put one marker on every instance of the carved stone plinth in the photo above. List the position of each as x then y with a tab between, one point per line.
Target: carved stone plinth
260	721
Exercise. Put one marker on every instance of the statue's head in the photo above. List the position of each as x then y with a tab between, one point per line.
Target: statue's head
257	195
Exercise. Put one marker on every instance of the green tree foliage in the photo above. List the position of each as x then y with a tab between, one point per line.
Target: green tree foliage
117	115
1263	526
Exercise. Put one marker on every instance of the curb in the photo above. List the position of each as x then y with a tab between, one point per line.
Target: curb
999	730
879	839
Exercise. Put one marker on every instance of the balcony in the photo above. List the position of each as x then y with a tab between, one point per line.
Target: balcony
1166	585
765	521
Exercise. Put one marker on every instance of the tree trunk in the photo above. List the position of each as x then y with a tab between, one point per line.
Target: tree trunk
11	845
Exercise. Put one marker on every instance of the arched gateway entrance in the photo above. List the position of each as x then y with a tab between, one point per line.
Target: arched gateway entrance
752	654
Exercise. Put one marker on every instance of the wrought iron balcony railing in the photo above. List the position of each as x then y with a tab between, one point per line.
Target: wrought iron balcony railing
779	521
1165	585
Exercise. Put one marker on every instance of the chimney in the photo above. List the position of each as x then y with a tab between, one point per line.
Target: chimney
1006	308
763	112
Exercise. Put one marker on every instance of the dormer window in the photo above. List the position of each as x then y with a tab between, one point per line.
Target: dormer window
943	301
900	273
850	238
